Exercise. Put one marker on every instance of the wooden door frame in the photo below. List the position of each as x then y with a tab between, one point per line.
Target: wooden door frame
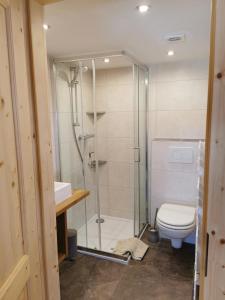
212	285
41	102
15	266
44	148
203	261
38	286
30	99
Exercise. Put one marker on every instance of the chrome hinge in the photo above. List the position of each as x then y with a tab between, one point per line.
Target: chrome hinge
137	157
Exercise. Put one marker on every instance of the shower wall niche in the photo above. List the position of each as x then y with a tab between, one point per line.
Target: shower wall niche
101	126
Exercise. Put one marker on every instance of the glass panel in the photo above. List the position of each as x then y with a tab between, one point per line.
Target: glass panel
142	145
114	108
71	166
140	151
136	150
76	142
101	110
88	141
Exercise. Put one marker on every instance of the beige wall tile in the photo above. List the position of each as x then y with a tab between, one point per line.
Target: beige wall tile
120	124
120	150
180	124
120	97
119	174
181	95
181	70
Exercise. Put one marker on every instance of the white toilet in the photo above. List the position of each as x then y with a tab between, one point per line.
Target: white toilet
176	222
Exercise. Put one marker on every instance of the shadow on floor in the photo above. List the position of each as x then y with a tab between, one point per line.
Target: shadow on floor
163	274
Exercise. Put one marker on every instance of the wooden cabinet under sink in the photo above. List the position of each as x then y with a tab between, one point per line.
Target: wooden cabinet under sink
61	220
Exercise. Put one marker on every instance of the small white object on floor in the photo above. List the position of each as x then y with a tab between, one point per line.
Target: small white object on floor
134	246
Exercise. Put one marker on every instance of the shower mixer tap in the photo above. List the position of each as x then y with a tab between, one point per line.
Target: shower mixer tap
90	154
92	161
85	136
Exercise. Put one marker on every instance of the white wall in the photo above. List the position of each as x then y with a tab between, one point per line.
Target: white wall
178	100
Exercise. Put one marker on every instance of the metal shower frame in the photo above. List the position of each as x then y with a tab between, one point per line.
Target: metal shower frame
92	58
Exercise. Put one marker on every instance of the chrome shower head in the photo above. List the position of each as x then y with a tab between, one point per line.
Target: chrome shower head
84	68
75	72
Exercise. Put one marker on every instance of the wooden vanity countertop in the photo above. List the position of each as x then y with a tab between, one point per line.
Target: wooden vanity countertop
76	197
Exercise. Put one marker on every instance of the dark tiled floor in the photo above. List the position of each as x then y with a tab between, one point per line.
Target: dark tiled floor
163	274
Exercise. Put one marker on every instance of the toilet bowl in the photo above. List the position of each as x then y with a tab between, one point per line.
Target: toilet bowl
176	222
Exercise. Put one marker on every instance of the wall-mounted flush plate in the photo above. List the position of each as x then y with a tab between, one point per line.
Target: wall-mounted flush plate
182	155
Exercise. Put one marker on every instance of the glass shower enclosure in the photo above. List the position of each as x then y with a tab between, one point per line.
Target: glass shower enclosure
101	111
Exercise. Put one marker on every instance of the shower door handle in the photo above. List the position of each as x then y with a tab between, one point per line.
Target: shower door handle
137	157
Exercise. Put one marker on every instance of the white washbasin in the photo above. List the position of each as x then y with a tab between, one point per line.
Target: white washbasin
63	190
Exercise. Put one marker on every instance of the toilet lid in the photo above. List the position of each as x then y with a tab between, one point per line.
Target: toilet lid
176	215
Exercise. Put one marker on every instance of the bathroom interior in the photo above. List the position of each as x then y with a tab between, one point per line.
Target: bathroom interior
129	88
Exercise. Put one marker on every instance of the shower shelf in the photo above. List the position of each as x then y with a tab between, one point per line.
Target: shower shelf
100	163
98	113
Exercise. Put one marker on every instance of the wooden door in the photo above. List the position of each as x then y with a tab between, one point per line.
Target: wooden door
213	277
14	263
28	248
28	265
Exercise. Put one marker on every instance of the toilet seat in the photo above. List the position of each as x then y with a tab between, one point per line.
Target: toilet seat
175	227
176	222
176	217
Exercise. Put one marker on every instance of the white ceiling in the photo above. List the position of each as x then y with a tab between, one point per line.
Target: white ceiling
79	27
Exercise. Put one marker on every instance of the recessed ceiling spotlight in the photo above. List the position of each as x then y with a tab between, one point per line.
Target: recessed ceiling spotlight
46	26
143	8
170	53
106	60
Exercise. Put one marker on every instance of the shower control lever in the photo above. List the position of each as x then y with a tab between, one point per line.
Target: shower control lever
92	161
90	154
85	136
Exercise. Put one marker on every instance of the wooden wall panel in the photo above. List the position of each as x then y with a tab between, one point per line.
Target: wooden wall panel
20	197
214	283
45	161
207	152
11	242
9	187
31	218
13	287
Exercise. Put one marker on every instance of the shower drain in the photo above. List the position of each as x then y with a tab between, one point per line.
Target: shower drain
100	220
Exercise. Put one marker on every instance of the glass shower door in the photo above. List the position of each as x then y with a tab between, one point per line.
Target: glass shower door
114	120
75	82
143	175
91	156
140	148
